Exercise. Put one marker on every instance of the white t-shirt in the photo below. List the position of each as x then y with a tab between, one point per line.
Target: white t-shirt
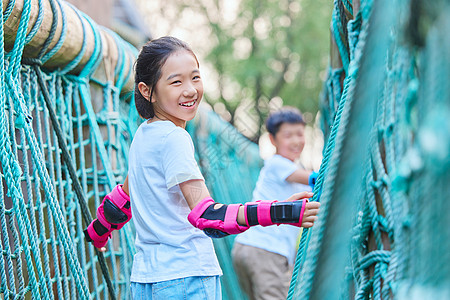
167	245
272	185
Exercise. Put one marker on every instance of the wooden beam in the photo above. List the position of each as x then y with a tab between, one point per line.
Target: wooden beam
77	29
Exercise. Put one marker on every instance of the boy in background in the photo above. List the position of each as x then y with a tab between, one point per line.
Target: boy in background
263	258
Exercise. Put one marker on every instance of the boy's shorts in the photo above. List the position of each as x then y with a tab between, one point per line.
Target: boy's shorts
195	288
263	275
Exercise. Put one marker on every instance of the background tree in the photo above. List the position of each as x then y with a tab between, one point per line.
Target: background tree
261	54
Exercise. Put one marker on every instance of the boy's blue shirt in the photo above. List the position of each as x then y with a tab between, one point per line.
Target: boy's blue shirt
271	185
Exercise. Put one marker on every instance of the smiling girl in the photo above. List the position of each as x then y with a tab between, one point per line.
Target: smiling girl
174	215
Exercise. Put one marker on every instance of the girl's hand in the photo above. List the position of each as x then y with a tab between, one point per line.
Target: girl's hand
310	214
311	208
102	249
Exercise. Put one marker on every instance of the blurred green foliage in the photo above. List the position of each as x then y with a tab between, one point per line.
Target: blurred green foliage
261	52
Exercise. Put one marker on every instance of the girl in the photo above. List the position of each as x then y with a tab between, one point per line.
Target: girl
174	259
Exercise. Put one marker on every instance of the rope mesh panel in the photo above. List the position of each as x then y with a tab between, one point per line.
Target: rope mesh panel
44	254
397	245
400	240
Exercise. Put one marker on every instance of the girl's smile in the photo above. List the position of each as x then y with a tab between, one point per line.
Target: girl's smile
188	104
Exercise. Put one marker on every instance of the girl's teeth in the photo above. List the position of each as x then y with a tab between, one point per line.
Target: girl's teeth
188	104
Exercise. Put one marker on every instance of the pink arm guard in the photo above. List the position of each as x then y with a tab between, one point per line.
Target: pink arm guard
221	221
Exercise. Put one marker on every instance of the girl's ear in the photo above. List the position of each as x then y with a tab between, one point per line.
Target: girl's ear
272	139
144	90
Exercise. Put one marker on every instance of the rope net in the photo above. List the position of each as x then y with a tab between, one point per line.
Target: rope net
44	254
383	230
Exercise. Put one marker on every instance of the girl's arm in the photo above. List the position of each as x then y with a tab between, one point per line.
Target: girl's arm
125	186
195	191
210	216
112	214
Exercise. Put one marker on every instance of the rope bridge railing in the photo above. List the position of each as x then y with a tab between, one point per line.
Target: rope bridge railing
59	115
383	230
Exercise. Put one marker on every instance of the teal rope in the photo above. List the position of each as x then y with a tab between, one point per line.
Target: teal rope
318	188
8	10
43	283
16	195
37	24
12	172
96	56
61	38
16	52
6	251
52	31
337	32
53	205
72	64
75	182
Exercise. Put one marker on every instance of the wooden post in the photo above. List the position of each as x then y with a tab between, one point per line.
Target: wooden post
75	33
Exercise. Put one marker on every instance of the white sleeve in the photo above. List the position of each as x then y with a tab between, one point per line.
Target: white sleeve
179	159
282	167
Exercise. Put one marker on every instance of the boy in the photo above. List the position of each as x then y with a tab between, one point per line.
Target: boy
263	257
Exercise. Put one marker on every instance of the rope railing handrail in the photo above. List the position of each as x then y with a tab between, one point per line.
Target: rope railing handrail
379	172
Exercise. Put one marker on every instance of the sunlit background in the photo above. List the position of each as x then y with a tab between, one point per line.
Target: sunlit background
255	55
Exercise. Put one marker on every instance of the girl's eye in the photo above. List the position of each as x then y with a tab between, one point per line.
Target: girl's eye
197	77
176	82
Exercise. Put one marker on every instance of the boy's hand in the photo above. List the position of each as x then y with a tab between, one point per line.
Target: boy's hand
299	196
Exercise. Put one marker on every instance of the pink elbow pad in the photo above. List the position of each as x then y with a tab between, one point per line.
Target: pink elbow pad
112	214
217	221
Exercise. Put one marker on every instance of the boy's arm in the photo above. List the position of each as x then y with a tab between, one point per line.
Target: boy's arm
299	176
303	177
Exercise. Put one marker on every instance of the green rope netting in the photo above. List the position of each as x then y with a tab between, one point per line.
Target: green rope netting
383	230
44	254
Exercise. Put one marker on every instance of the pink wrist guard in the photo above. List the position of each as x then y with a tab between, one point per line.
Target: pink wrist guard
112	214
266	213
